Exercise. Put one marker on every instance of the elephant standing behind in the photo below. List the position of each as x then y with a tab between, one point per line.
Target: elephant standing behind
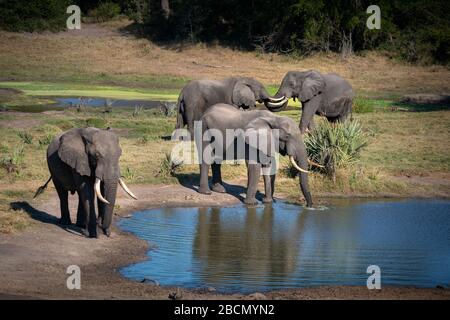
86	161
222	117
198	95
327	95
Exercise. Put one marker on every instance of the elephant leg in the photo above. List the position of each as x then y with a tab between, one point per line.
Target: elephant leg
254	171
86	193
204	187
81	216
217	183
269	188
63	195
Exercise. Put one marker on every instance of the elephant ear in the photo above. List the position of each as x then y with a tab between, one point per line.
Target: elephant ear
258	135
243	96
72	151
312	86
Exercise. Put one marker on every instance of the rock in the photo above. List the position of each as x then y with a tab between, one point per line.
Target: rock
440	287
257	296
176	295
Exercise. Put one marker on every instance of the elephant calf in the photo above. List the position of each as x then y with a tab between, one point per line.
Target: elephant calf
86	161
327	95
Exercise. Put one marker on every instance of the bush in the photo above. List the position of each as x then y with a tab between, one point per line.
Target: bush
105	11
33	15
335	145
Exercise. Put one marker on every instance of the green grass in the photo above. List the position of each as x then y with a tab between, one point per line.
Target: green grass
82	90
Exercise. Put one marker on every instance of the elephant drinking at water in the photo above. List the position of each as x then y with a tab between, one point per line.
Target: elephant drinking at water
86	161
222	117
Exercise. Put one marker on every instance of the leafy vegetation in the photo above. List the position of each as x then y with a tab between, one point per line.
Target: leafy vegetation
336	145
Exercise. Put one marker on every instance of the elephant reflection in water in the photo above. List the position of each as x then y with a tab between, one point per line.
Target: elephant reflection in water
250	244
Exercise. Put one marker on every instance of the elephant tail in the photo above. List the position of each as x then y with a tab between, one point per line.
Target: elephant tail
42	188
180	113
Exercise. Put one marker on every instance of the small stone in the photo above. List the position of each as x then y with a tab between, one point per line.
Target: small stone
257	296
176	295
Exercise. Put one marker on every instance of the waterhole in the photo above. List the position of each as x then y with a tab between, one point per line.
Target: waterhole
281	246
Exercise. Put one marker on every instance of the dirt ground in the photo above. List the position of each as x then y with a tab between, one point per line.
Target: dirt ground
34	262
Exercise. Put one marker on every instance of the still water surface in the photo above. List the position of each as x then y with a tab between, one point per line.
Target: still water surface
279	246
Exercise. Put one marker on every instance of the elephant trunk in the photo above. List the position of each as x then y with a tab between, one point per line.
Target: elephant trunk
110	187
301	160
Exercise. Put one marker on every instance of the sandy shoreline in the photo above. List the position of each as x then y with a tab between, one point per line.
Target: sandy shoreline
34	262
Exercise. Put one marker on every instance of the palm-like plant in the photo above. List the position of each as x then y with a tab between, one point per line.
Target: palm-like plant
335	145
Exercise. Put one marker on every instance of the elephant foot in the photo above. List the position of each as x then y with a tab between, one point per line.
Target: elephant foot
218	187
107	232
65	221
90	234
267	200
81	225
251	201
204	190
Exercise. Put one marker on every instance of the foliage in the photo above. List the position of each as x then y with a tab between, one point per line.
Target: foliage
26	137
169	166
33	15
105	11
336	145
418	30
12	162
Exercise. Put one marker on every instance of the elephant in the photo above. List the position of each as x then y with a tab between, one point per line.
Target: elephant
222	117
86	161
327	95
198	95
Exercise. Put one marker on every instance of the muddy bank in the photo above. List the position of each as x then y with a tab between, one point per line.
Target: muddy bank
34	262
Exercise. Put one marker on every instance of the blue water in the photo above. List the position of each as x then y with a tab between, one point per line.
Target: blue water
279	246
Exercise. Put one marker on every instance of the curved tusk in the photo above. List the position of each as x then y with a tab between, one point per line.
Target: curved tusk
277	104
296	166
124	186
315	164
276	99
98	192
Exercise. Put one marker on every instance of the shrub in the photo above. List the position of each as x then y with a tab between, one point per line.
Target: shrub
335	145
33	15
105	11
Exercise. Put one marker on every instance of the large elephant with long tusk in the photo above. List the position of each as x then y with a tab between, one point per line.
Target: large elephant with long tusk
86	161
256	136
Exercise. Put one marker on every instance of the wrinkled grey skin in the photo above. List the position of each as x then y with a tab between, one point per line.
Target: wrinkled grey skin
222	117
199	95
327	95
75	159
